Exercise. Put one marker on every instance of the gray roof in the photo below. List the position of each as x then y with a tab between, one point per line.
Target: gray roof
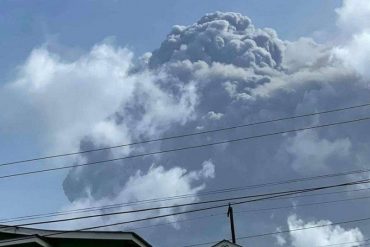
226	243
28	235
25	240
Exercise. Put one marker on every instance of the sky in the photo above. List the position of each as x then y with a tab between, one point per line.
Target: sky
80	75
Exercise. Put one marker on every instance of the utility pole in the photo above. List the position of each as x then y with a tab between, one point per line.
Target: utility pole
230	214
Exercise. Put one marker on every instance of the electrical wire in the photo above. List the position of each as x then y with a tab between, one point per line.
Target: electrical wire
59	233
37	216
252	210
186	135
286	231
257	197
208	208
343	243
184	148
232	189
203	209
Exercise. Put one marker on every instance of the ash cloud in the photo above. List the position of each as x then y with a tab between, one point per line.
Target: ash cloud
219	71
237	74
228	38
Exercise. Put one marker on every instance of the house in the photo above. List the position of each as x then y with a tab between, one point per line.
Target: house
226	243
29	237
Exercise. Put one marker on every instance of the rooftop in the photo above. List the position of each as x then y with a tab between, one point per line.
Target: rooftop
19	236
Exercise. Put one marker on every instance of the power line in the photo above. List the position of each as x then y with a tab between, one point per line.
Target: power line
287	231
138	220
91	209
53	214
113	206
305	228
358	245
225	190
186	135
327	245
255	210
343	243
184	148
257	197
155	208
302	205
203	209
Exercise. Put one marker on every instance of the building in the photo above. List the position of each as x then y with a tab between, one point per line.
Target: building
28	237
226	243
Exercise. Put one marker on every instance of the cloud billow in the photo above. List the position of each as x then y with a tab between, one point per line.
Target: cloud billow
228	38
239	74
219	71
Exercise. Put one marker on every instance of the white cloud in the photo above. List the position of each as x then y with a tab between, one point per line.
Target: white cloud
157	182
281	241
214	116
66	101
321	235
356	53
353	20
107	133
353	15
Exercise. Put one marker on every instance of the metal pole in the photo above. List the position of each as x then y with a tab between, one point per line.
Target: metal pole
230	214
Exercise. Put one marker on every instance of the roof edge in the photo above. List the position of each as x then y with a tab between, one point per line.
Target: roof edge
23	231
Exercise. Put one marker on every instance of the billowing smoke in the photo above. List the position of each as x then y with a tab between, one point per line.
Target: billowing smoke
226	38
214	60
220	71
237	74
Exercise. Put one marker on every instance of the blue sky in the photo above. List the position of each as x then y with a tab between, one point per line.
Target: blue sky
66	84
